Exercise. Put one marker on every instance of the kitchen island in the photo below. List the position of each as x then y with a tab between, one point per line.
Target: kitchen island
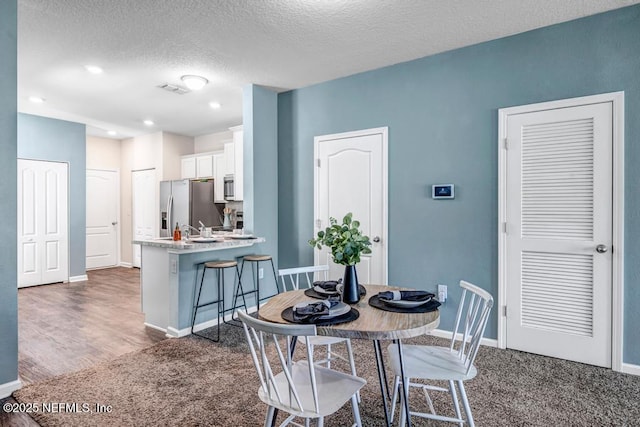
170	272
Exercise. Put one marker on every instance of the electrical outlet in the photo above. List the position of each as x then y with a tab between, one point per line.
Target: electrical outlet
442	293
261	273
174	266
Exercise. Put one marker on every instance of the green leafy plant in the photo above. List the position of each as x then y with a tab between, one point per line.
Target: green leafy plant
345	240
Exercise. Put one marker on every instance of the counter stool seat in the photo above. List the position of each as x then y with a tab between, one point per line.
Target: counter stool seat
256	258
218	266
221	264
240	292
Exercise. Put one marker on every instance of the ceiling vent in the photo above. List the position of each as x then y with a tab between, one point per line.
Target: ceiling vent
174	89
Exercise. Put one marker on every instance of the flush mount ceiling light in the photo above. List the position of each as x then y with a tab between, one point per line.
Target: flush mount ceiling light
194	82
215	105
93	69
36	99
148	122
112	132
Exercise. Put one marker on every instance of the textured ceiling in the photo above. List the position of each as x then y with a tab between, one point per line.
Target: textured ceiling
283	44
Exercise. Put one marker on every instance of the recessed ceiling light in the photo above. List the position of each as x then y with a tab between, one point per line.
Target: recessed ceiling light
36	99
112	132
215	105
194	82
149	122
93	69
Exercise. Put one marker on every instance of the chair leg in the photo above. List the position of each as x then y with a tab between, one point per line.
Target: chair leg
220	303
328	356
356	411
268	420
454	398
320	421
394	398
195	308
465	403
275	277
403	411
239	292
257	282
352	363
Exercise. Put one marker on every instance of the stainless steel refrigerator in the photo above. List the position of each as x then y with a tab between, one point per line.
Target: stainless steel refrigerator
187	202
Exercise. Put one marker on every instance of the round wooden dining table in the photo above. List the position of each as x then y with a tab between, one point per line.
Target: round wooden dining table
373	324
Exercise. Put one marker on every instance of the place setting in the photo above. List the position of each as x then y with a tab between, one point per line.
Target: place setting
330	311
405	301
329	288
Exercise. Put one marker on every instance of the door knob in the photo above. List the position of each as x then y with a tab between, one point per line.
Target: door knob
601	249
114	223
376	239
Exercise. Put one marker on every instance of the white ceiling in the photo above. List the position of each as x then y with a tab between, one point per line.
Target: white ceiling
283	44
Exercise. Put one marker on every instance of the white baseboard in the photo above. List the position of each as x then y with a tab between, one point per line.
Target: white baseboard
125	264
628	368
7	388
178	333
489	342
80	278
157	328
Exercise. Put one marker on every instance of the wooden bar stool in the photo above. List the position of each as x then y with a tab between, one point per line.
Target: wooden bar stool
240	292
219	267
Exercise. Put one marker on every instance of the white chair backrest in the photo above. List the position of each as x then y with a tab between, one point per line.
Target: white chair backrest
291	276
262	335
476	310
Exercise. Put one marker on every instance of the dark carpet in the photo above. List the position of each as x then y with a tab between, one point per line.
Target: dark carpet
194	382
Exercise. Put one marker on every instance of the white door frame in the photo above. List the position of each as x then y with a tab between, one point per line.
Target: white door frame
384	131
617	293
118	236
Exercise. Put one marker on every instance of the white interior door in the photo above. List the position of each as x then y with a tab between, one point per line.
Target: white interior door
559	232
351	176
144	205
43	224
103	197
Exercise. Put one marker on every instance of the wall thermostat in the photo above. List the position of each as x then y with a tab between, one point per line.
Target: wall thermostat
442	191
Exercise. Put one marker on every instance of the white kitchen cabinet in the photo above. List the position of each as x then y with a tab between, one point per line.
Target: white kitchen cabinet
229	158
196	166
238	168
204	166
219	168
188	167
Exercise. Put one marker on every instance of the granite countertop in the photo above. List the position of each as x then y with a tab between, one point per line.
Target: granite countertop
197	244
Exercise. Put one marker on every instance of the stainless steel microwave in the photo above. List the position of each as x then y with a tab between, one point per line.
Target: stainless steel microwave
229	188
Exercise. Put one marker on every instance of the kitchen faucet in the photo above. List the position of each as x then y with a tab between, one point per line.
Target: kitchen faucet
187	228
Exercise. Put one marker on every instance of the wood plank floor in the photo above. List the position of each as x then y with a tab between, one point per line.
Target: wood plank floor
63	328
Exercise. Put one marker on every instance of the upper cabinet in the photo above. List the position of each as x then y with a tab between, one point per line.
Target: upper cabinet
218	164
238	168
220	172
188	167
204	166
197	166
229	158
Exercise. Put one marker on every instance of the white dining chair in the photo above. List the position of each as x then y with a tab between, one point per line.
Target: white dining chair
301	388
451	364
292	279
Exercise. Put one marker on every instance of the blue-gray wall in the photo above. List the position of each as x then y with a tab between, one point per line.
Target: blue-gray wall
41	138
8	193
442	114
260	145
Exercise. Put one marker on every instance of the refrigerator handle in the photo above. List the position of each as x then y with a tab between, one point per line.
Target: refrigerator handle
169	219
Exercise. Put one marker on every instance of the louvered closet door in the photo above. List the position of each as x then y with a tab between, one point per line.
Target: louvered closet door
559	209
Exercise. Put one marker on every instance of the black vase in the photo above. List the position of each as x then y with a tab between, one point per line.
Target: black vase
350	291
